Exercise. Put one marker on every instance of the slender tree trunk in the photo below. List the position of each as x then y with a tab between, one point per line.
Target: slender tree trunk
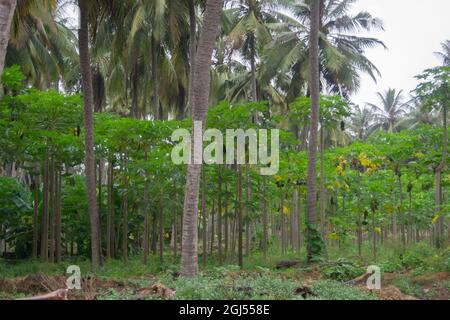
161	226
374	234
204	223
314	86
36	216
294	221
52	210
283	223
200	97
83	38
110	217
239	199
44	232
265	220
401	212
247	212
146	219
213	233
125	214
394	217
175	233
219	215
7	8
226	223
58	216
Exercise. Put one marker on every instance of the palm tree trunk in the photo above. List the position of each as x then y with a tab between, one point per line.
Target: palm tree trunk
7	8
253	67
314	86
200	86
156	106
192	50
83	38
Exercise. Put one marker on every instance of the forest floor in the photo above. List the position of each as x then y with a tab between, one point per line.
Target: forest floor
418	275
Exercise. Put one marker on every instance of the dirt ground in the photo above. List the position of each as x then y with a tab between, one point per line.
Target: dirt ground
39	284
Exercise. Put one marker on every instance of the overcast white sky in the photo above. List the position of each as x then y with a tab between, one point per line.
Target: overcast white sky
414	30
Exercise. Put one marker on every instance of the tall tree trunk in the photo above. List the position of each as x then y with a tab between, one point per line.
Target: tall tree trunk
265	220
7	8
213	232
36	185
52	210
219	214
58	208
192	51
146	218
175	229
85	65
125	213
247	211
294	221
226	223
204	223
45	192
161	226
110	217
200	87
239	217
401	212
314	86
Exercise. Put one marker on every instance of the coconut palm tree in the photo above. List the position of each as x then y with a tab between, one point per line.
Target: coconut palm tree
342	51
88	94
390	110
314	88
7	8
200	90
361	122
246	25
445	54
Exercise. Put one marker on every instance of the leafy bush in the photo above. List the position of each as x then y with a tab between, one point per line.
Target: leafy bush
334	290
343	271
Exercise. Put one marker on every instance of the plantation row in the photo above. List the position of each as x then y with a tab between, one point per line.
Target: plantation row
377	191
